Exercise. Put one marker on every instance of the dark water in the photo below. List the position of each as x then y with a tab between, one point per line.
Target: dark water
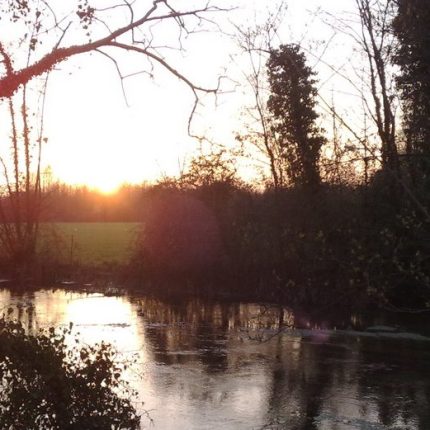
207	365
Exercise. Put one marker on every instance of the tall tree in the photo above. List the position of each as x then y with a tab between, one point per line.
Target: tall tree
292	104
413	57
376	41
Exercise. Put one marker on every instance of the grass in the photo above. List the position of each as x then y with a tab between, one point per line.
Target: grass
89	243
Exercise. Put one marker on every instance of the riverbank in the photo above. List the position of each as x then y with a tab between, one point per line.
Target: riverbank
343	246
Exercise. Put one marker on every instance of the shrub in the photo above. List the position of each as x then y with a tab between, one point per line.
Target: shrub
46	384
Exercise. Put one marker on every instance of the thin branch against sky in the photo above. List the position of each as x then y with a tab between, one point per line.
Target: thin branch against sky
87	118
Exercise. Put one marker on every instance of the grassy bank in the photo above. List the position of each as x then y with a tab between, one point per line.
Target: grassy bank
88	243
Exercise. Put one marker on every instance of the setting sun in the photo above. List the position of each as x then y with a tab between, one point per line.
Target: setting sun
214	214
105	144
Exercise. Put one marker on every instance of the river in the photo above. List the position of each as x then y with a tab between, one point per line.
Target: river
230	365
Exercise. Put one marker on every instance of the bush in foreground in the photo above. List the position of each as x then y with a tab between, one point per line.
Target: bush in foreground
46	384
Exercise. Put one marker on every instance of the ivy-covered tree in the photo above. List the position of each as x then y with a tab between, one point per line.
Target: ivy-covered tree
292	105
413	57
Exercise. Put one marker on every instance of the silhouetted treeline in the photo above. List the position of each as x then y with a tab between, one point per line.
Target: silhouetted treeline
65	203
340	244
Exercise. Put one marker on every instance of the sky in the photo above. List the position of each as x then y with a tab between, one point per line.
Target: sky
101	138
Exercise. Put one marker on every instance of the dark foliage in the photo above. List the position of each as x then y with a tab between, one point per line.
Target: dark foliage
292	103
46	384
349	247
413	57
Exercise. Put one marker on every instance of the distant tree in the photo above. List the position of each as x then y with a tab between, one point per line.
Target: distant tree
413	57
216	167
292	106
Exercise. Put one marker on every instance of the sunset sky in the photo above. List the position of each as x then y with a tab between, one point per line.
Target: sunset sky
96	139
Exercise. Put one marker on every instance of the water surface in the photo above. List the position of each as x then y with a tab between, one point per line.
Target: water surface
212	365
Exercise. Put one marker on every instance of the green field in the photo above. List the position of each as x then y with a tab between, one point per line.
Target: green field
88	243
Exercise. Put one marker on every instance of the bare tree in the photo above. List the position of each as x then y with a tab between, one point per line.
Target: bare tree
20	197
36	36
372	80
377	42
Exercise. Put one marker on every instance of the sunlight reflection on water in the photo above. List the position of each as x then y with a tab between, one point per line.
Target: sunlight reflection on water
204	365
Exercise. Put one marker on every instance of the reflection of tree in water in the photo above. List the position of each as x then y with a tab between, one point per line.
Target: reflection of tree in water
164	330
302	376
211	341
379	376
309	380
24	309
397	376
190	331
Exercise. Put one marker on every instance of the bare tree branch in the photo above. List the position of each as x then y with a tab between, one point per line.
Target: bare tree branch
13	79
